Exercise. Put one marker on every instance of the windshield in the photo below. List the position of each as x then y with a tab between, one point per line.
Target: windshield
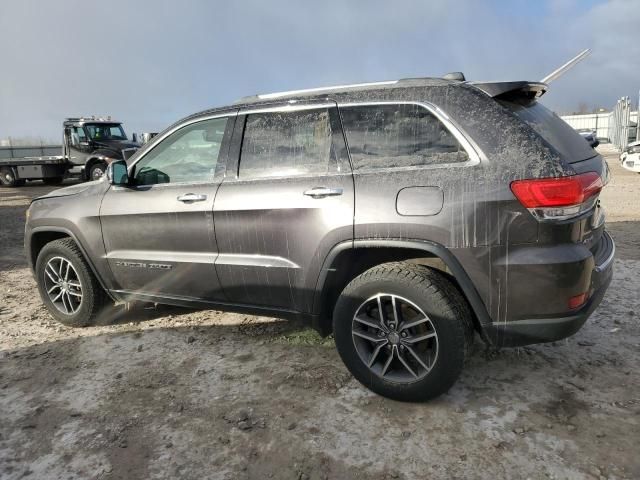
105	131
554	130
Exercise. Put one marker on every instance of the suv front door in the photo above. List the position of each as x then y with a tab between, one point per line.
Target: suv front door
158	232
281	209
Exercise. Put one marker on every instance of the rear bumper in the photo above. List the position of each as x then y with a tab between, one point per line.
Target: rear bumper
548	329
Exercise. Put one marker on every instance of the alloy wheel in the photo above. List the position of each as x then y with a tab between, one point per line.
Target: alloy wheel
395	338
63	286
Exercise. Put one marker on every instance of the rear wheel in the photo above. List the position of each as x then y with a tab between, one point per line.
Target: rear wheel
403	330
67	285
8	178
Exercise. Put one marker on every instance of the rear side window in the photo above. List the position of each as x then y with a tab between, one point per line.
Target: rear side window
553	130
398	135
282	144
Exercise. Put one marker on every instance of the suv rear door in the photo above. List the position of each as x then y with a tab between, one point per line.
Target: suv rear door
283	205
158	232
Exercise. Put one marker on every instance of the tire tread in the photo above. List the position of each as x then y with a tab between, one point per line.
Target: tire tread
96	296
441	292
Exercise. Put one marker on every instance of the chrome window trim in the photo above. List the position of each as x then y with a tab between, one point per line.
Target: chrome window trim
160	138
476	156
155	186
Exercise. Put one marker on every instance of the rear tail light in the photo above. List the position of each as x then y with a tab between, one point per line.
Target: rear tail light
558	198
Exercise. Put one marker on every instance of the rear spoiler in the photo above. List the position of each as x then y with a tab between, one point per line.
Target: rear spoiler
512	91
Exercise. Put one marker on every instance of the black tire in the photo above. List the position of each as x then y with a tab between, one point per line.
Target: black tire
93	300
97	170
440	301
53	180
8	178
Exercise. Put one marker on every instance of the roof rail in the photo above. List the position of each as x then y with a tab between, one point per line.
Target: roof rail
92	118
269	96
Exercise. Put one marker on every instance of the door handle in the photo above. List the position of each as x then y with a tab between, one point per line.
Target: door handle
192	197
321	192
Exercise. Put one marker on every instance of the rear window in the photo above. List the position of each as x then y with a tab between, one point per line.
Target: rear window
398	135
569	143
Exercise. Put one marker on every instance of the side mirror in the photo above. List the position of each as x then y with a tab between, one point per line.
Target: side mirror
75	140
117	173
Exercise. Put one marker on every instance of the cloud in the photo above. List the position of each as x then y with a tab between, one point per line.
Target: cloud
149	63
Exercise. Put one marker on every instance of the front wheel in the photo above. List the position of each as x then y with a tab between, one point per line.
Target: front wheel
97	171
403	330
67	285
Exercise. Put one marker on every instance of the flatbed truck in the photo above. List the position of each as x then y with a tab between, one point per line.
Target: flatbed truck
89	145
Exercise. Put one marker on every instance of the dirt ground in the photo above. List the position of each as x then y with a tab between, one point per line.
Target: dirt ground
177	394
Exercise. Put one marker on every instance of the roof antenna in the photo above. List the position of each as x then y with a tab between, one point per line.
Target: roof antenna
561	70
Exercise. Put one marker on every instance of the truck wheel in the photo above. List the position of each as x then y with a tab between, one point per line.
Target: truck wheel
403	330
97	171
8	178
53	180
67	285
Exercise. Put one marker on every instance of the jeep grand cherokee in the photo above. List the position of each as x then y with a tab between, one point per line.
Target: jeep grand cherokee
400	216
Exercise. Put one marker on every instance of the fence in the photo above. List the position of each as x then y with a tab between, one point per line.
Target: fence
620	127
599	122
623	128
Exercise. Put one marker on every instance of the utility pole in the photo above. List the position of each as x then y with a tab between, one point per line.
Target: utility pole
638	119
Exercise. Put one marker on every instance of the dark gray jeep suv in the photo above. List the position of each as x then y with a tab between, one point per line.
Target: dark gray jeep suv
400	216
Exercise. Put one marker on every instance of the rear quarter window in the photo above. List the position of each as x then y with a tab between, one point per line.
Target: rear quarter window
398	135
555	131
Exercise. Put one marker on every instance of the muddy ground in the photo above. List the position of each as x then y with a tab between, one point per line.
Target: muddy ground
176	394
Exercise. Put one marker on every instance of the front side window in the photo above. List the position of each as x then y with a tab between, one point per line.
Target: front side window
105	131
398	135
187	155
280	144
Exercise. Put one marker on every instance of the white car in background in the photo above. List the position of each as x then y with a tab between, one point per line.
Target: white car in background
630	158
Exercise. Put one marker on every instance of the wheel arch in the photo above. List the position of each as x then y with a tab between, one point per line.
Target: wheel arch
360	255
41	236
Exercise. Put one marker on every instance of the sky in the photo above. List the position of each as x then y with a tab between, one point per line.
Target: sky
150	62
